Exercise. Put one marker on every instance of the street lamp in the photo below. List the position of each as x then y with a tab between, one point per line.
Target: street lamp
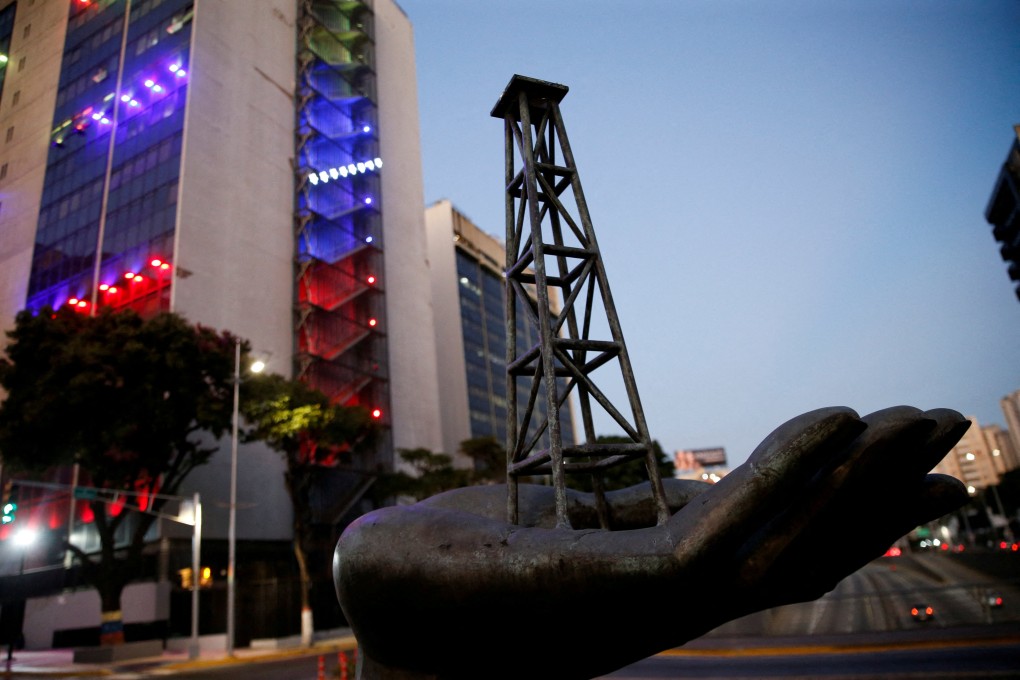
256	367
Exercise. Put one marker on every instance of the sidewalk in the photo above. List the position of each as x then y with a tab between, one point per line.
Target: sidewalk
59	663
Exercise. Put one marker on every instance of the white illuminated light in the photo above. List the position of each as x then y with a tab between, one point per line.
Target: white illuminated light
368	239
969	456
96	116
125	98
150	82
174	67
971	490
350	170
24	537
181	73
313	178
157	88
133	102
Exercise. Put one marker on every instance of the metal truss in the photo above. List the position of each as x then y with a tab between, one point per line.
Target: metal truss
550	242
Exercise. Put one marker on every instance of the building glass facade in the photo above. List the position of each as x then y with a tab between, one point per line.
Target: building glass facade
483	326
106	224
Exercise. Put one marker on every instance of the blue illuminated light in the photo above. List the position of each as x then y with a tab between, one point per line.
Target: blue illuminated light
368	200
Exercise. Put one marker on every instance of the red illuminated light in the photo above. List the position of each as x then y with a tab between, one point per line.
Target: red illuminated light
104	287
129	275
371	280
73	301
138	278
156	263
372	323
82	304
377	413
112	289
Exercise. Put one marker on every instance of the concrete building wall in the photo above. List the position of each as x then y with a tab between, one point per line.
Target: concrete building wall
1010	405
414	380
235	239
32	73
142	602
453	390
971	459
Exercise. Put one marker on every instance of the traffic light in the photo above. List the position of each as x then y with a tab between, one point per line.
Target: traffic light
9	506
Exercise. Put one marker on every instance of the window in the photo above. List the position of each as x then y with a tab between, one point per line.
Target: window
21	64
17	96
3	171
28	30
10	133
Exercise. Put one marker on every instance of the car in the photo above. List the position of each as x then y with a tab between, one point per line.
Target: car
922	612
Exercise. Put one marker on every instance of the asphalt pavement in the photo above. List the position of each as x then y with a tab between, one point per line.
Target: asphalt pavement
59	663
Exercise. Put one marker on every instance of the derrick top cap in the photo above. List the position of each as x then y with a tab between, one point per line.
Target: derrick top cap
539	92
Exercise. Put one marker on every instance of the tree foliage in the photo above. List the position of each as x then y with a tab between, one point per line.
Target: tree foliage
128	399
311	433
433	473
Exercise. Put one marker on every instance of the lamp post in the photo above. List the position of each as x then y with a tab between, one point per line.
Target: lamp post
256	367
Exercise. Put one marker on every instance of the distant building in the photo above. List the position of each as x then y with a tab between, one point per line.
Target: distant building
973	459
1010	405
1003	211
703	464
469	306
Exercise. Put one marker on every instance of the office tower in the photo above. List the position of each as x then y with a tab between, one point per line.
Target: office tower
254	169
1003	211
468	294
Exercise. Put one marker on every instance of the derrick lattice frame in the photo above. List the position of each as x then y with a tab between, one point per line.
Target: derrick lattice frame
548	246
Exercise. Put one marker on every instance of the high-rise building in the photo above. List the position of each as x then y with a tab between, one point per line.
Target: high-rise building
1003	211
469	298
254	169
972	459
1010	405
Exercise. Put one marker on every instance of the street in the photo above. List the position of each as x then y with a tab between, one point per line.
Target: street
862	629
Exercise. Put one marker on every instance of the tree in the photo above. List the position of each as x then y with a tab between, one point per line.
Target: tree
433	473
311	434
128	399
489	457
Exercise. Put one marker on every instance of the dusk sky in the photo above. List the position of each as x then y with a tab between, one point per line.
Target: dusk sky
789	196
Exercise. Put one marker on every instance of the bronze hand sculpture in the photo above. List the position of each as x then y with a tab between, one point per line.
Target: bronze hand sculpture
446	588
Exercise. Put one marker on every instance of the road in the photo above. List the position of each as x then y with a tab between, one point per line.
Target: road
861	630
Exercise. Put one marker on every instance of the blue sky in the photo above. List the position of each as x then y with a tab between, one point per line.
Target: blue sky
789	196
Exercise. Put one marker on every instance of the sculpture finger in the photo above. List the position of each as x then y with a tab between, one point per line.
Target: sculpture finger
888	461
776	472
